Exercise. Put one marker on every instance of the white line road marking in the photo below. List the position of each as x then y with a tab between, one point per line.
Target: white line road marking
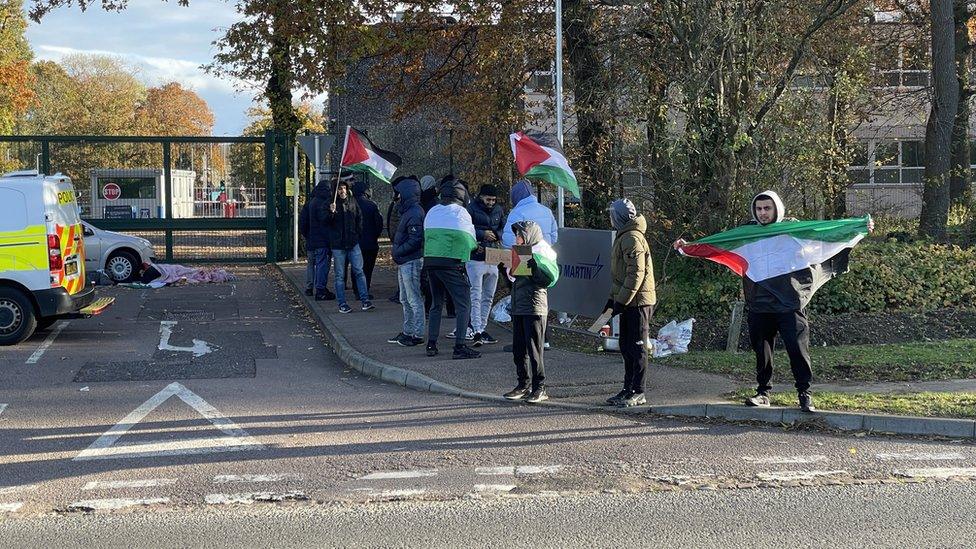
10	507
2	407
47	342
14	489
494	487
520	470
939	472
236	439
224	479
782	460
111	504
798	475
252	497
199	348
384	475
371	492
921	456
113	484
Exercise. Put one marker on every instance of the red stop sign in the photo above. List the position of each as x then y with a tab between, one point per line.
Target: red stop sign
111	191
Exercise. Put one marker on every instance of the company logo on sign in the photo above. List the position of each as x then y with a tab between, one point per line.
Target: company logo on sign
111	191
65	197
581	271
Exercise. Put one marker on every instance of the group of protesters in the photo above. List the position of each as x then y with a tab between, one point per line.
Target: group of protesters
440	245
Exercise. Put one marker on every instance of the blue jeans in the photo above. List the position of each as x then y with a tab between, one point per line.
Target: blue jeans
484	281
322	257
412	301
355	258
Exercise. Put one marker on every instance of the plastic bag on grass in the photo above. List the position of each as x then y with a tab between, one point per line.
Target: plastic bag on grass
500	312
673	338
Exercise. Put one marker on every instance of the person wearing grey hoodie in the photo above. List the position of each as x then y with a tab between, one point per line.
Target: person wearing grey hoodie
632	296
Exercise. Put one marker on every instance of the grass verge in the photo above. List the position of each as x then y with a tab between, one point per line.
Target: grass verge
957	405
926	361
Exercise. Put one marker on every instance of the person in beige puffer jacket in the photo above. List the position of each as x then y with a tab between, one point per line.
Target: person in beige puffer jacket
632	296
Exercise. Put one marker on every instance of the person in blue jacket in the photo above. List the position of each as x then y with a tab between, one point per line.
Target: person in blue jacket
408	254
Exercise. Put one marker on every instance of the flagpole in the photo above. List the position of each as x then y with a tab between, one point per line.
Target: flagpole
335	191
560	194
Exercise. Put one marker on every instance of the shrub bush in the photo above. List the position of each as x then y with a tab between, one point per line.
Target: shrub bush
886	276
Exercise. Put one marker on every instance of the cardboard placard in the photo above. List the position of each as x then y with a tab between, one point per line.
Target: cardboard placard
494	256
601	321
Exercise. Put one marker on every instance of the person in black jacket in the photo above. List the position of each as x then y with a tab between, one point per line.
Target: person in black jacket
371	231
530	309
345	227
317	238
489	221
408	254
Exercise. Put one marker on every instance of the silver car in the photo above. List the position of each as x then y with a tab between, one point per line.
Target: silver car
120	255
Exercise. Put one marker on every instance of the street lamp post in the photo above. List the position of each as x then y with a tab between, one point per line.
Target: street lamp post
560	194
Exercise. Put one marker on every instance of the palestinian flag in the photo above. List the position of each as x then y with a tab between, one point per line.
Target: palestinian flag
538	156
761	252
545	258
448	232
359	154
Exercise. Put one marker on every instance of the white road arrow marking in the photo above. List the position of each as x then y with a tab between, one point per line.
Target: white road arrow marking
199	348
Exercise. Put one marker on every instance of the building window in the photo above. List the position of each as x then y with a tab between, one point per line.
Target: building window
541	81
887	163
903	65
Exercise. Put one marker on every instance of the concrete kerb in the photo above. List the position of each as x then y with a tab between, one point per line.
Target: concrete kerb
904	425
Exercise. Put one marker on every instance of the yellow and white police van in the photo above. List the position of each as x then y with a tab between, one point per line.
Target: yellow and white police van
42	256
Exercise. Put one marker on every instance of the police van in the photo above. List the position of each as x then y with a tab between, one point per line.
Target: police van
42	256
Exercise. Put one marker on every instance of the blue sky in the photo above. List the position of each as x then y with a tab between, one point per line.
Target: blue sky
163	41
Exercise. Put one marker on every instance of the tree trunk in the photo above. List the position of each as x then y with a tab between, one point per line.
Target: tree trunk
279	87
592	97
959	183
938	130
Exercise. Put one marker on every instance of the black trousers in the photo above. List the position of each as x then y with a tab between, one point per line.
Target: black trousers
425	290
633	345
453	282
527	340
794	330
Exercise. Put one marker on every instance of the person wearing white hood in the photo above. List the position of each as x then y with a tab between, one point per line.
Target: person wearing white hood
776	306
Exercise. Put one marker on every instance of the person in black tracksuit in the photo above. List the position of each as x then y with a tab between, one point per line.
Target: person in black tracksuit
530	309
370	234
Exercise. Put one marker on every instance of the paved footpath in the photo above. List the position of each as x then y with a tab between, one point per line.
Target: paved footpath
578	380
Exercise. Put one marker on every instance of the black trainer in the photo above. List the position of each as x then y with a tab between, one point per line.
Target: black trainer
309	292
632	399
806	402
538	395
477	340
615	399
406	341
396	338
325	296
431	349
518	393
463	352
759	399
417	340
486	339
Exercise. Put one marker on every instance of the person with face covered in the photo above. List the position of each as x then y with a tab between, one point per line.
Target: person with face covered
449	239
776	306
632	296
530	309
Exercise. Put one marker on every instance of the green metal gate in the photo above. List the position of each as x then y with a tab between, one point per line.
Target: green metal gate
198	199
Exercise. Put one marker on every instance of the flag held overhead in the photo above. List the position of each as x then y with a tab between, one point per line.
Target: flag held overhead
538	156
359	154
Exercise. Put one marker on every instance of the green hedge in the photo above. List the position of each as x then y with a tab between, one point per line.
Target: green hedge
884	276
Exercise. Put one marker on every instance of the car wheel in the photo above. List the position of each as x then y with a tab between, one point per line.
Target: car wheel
122	266
17	319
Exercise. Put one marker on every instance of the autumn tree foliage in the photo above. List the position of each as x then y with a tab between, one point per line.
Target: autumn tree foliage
16	90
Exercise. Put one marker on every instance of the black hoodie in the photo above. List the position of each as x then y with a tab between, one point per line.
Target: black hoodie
346	224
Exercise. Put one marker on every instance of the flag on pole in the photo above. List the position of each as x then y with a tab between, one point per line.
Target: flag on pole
760	252
359	154
539	156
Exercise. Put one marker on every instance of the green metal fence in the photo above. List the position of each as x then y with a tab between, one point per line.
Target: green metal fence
198	199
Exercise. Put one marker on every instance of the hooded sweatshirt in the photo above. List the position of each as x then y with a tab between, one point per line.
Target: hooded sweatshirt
789	292
318	217
527	208
408	243
529	295
449	236
346	224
